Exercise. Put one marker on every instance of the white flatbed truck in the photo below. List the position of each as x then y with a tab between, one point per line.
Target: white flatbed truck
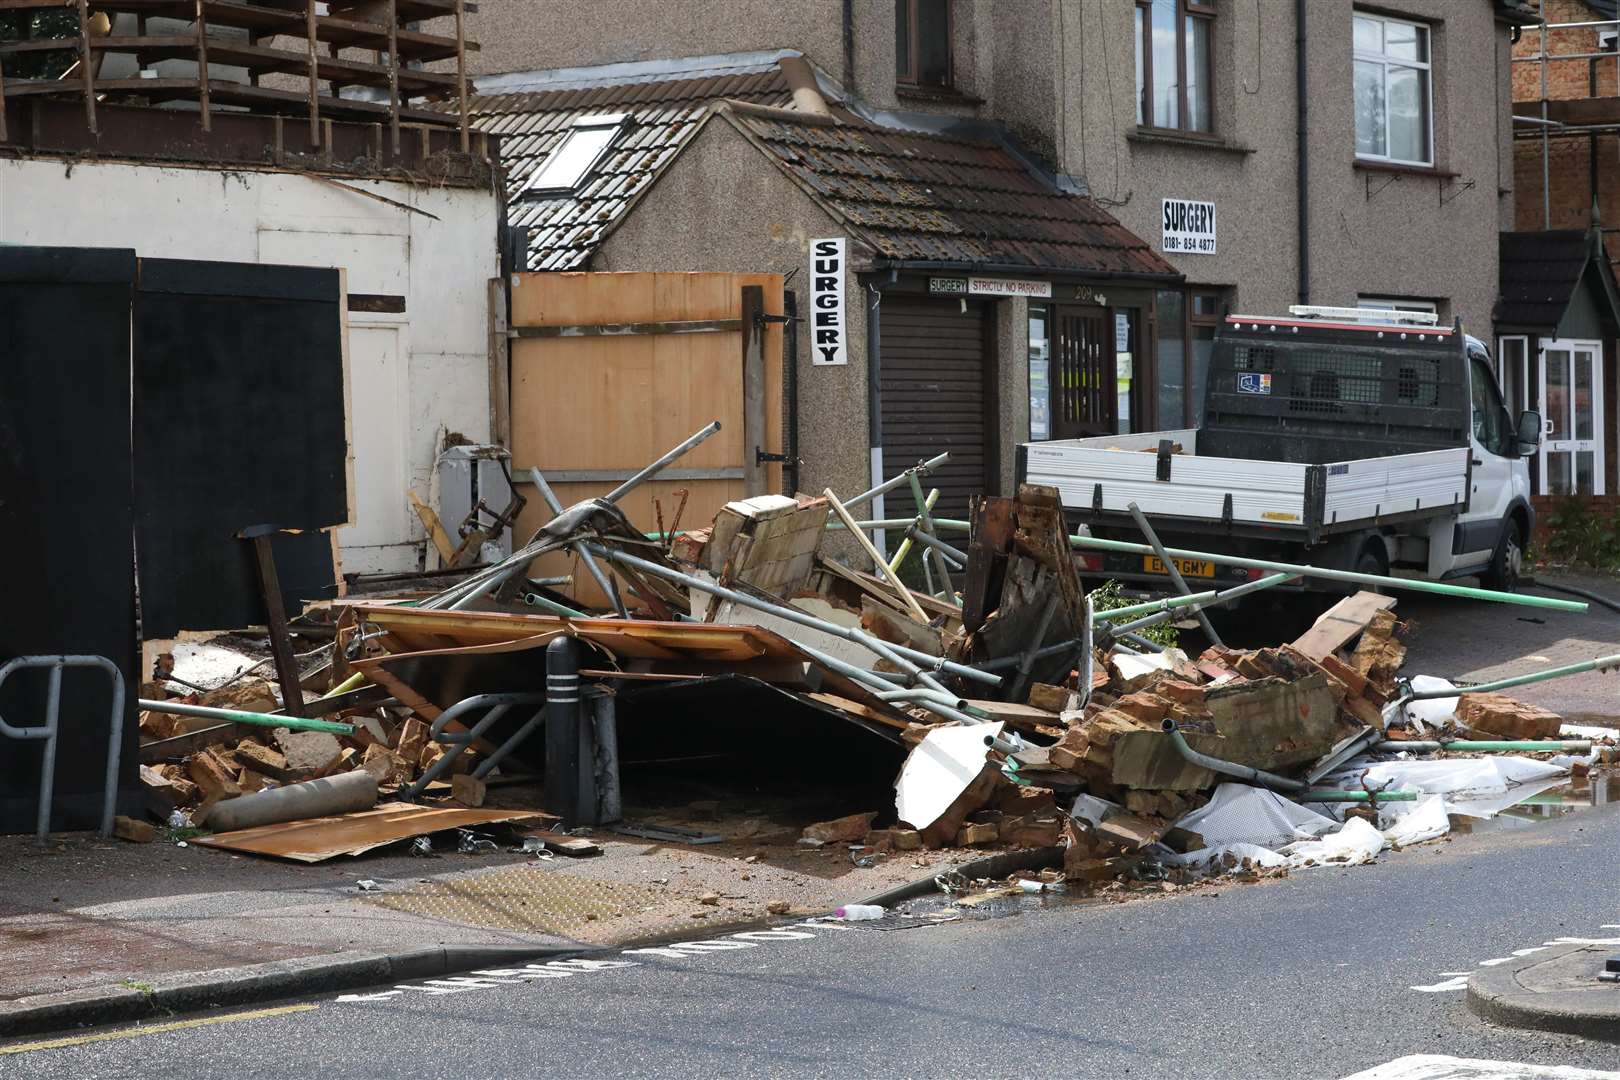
1349	438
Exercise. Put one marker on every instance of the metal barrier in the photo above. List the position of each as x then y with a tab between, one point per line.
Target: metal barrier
48	731
457	741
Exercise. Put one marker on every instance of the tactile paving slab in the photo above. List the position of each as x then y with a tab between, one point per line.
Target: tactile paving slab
524	898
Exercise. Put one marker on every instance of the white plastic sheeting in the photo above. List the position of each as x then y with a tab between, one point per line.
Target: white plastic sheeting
1424	820
1473	787
1431	713
1240	814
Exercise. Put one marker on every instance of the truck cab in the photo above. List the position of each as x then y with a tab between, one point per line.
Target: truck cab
1351	438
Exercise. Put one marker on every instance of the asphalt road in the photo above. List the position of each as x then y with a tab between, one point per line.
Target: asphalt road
1309	976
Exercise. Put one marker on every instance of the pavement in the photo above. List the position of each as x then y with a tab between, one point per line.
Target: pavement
1479	641
101	929
1327	973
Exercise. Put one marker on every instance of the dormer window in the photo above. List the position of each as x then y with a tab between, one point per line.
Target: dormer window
922	43
572	159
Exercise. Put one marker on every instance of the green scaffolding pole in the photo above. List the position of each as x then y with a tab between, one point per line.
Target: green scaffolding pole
1348	576
294	723
1601	663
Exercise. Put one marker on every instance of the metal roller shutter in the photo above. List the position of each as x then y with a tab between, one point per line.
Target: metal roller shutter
935	364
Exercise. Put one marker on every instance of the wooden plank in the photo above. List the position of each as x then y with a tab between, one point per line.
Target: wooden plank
85	67
264	561
314	73
500	366
435	528
318	839
202	66
1336	626
461	75
393	73
753	384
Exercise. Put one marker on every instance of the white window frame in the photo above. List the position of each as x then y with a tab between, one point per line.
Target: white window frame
1390	303
1597	444
550	178
1514	408
1425	66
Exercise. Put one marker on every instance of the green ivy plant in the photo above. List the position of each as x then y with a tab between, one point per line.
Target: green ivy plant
1581	534
1109	595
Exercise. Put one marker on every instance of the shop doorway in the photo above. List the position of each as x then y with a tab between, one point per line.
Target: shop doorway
1085	398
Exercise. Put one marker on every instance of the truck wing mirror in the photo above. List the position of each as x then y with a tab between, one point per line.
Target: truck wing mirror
1529	432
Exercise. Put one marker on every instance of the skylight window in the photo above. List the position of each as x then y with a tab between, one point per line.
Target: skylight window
577	153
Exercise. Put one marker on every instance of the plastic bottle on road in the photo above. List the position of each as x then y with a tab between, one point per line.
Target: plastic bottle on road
859	912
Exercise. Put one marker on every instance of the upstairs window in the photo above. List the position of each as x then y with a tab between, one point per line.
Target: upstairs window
1393	97
1172	65
922	43
576	154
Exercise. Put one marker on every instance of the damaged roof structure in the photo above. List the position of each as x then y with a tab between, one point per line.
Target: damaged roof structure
967	198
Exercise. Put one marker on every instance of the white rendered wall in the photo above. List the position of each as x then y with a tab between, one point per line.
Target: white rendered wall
413	375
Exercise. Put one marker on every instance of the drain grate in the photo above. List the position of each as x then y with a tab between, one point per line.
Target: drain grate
523	898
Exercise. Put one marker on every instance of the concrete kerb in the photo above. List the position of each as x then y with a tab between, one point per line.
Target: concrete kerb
991	866
253	983
1556	990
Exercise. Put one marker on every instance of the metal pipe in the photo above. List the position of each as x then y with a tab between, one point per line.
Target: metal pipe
591	565
925	524
876	556
294	723
1602	663
922	468
658	466
1335	795
1229	768
1169	604
905	545
1430	746
1222	597
1302	156
877	682
1303	570
1347	576
536	600
950	555
794	615
1171	568
1026	660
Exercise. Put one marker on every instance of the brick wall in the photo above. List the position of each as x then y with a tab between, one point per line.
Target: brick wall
1545	505
1565	78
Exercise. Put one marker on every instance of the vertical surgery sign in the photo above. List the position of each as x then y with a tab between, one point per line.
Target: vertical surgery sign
829	332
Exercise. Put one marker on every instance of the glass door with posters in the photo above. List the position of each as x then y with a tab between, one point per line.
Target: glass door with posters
1572	410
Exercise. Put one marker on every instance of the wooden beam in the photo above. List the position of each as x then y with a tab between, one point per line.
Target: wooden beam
202	66
461	75
85	67
3	134
393	73
314	71
292	696
753	388
500	366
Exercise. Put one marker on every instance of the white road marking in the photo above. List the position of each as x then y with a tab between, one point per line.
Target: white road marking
1458	981
489	978
1440	1067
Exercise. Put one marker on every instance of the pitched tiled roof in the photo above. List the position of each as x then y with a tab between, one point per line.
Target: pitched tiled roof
934	198
564	230
1538	274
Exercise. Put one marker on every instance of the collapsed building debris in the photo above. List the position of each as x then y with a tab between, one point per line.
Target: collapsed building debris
1014	714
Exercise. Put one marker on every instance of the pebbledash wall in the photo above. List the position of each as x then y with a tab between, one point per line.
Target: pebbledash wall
412	375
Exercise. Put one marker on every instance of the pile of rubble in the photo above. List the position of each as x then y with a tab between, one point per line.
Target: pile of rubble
1019	716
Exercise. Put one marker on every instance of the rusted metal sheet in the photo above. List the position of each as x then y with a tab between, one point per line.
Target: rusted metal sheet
319	839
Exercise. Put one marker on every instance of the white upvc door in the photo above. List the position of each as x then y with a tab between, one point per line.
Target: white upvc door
1571	459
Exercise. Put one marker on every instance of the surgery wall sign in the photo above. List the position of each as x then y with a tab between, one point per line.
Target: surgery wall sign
829	330
1189	227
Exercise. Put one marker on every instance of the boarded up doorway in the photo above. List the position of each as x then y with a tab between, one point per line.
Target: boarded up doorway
610	370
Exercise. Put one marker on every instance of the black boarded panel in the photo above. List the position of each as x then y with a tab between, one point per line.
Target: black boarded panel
66	512
239	422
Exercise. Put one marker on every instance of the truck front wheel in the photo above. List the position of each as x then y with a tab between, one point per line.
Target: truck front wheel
1506	564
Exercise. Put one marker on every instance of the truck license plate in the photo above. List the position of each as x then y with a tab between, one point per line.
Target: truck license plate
1188	567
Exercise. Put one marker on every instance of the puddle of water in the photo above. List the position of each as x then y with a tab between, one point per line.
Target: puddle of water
1579	794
